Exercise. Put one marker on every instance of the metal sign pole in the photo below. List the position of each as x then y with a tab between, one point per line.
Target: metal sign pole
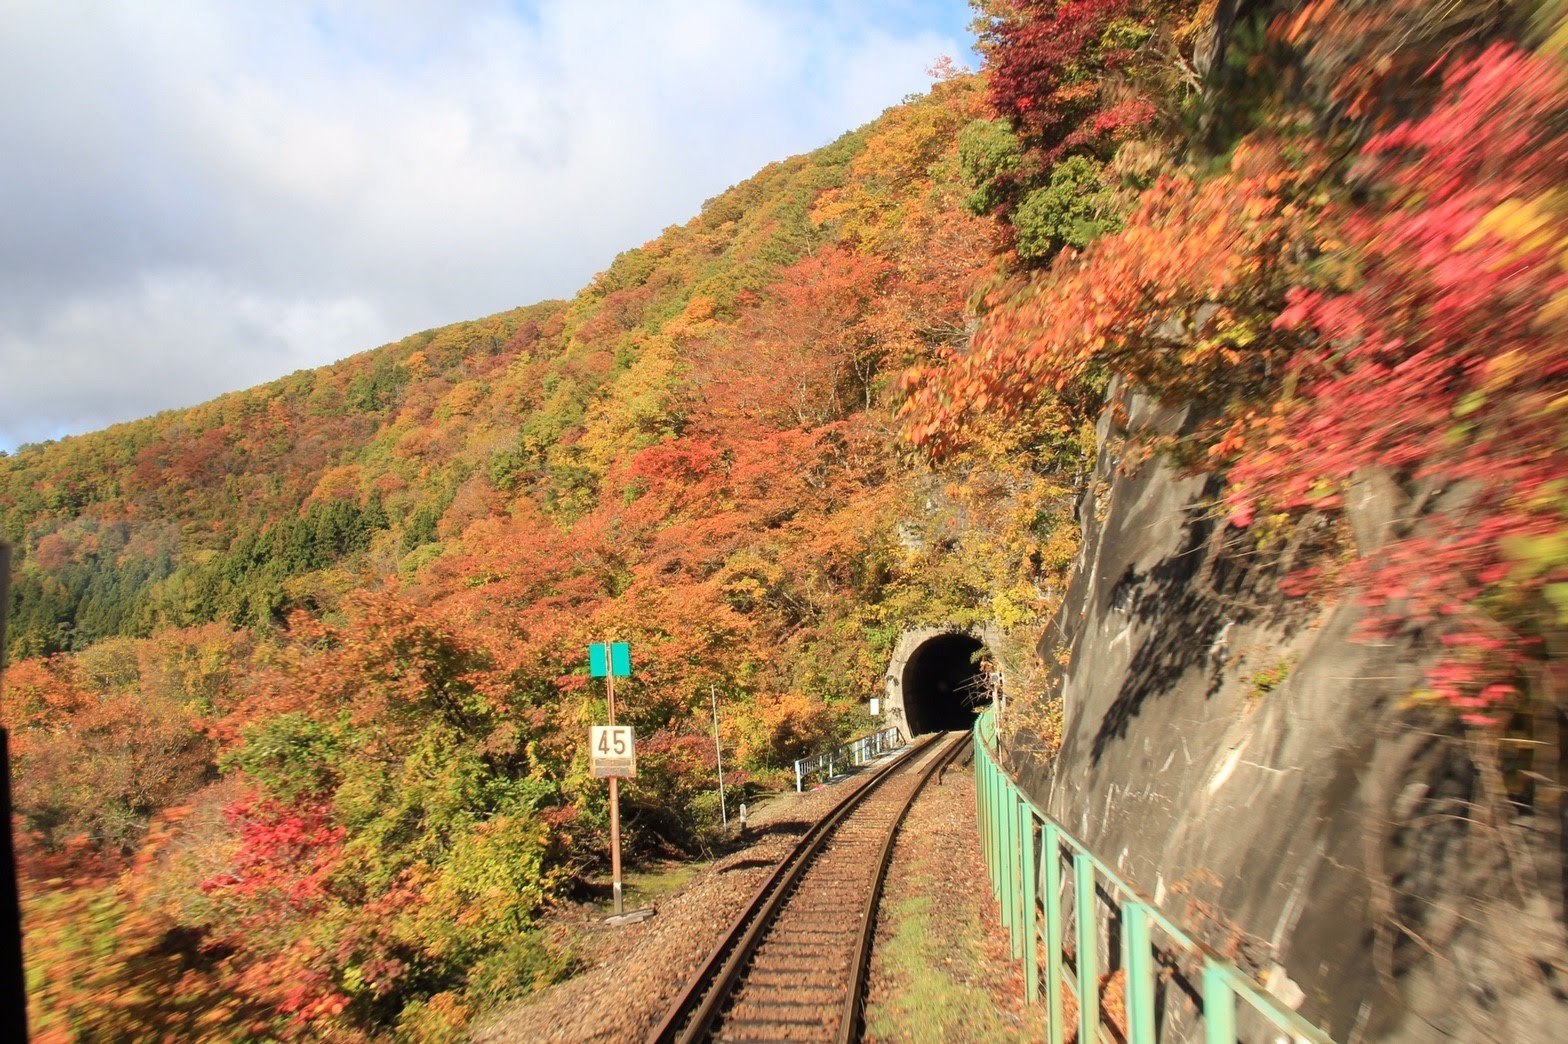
718	753
615	798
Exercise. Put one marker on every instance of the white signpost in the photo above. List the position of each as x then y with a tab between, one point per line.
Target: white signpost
611	752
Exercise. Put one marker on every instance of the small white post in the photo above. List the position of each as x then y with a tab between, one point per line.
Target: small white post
718	753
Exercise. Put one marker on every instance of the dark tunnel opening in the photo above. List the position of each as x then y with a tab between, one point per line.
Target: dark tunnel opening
943	686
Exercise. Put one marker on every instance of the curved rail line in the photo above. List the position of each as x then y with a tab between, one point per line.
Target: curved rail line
793	965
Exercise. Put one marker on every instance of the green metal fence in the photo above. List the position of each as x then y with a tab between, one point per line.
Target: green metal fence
1076	925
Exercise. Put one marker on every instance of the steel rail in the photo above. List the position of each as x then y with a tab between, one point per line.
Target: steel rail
694	1012
860	964
697	1006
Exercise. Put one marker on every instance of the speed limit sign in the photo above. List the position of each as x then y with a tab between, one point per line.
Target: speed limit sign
610	751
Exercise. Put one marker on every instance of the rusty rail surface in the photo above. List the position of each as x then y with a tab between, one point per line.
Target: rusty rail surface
793	964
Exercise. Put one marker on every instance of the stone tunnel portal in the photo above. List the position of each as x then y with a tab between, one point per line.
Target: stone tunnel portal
942	684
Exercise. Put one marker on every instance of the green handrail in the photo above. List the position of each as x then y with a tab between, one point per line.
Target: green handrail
1024	852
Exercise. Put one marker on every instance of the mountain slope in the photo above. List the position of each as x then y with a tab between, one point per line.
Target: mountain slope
355	601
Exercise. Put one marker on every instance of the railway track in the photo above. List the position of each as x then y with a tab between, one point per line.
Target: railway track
793	965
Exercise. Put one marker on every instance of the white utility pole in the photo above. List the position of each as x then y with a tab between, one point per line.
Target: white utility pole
718	753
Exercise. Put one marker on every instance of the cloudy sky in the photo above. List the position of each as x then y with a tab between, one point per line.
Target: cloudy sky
201	196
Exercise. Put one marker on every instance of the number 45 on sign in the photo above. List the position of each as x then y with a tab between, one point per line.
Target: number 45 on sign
610	751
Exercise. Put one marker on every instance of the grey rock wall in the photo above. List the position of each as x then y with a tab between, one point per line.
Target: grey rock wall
1248	763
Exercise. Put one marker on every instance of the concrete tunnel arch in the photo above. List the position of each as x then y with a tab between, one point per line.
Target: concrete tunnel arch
934	681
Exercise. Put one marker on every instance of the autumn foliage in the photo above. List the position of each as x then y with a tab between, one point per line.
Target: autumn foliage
1061	72
1364	295
322	645
299	686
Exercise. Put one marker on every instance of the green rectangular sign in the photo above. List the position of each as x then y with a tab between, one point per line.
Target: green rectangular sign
614	658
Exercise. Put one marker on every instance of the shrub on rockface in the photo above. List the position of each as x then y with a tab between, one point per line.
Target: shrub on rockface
1442	361
1073	209
1070	82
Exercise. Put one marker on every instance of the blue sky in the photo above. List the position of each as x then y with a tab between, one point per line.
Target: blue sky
202	196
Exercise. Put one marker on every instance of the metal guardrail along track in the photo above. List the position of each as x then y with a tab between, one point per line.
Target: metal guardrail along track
793	965
1059	904
849	755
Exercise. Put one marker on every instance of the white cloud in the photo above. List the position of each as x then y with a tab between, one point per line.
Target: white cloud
119	351
202	196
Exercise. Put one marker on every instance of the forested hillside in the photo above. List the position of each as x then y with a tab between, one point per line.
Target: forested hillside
209	513
299	680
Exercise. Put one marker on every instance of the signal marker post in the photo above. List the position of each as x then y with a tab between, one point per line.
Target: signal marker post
612	754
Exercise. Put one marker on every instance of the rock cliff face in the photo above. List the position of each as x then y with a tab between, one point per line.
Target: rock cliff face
1246	762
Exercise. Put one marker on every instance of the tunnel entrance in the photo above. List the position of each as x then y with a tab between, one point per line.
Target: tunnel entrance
943	686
